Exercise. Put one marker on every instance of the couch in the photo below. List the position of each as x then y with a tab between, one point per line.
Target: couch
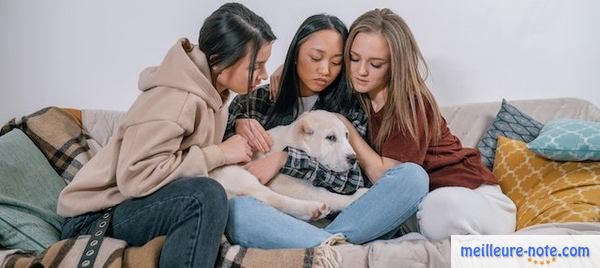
469	122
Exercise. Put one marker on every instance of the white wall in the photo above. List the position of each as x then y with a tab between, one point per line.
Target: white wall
88	54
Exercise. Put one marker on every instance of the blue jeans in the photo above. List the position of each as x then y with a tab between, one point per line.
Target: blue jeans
378	214
191	212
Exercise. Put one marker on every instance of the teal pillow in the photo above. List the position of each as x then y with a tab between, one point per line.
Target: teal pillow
568	140
29	189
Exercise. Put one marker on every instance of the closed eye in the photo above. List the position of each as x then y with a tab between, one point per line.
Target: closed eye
331	138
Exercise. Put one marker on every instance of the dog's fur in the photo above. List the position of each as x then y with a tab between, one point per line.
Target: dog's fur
322	136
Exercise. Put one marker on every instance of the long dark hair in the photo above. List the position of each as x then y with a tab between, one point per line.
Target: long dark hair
336	97
229	33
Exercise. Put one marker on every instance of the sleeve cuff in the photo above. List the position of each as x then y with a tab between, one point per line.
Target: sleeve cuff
240	116
214	157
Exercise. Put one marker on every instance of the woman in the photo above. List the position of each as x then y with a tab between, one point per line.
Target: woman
313	78
384	60
151	174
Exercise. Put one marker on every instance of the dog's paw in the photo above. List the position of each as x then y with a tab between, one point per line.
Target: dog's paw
309	210
320	211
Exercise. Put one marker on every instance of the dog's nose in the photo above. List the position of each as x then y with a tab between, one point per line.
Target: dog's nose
351	158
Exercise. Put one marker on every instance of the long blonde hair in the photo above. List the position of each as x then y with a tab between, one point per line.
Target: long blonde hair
408	97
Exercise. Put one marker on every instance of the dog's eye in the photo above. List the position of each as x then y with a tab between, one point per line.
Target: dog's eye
331	138
346	135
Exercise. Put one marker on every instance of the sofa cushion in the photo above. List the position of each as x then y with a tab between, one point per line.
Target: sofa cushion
547	191
58	135
511	123
28	195
568	140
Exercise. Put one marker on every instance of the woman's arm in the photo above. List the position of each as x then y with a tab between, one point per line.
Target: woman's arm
298	164
145	165
239	122
372	163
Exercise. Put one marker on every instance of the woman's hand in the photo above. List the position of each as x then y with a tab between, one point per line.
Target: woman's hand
258	138
236	150
274	80
267	167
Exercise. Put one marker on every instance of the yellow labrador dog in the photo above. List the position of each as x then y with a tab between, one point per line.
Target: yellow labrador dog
322	136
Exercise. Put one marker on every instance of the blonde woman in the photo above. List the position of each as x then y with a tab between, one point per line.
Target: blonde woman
405	126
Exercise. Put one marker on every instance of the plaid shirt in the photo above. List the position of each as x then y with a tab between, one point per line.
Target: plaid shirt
299	164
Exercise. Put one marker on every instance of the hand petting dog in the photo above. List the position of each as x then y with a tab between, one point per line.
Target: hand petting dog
268	167
258	138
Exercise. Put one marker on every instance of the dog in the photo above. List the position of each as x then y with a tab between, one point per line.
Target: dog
321	135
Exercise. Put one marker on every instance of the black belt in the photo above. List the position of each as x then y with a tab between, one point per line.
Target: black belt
93	245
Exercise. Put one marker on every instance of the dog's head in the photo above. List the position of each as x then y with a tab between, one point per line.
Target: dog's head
325	137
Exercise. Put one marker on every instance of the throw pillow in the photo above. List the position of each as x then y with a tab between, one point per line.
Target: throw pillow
511	123
28	195
547	191
568	140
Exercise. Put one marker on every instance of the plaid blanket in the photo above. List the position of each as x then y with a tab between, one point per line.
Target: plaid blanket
115	253
66	253
58	134
237	256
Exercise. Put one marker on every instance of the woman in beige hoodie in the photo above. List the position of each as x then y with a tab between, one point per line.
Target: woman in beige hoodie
151	176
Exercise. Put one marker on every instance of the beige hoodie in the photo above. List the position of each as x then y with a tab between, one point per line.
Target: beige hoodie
170	131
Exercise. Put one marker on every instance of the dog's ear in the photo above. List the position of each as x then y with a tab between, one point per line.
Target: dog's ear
306	126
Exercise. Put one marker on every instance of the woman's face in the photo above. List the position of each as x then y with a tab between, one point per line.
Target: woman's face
319	61
235	77
369	62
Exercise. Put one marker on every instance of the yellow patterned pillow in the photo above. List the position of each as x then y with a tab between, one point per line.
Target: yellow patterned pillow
546	191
